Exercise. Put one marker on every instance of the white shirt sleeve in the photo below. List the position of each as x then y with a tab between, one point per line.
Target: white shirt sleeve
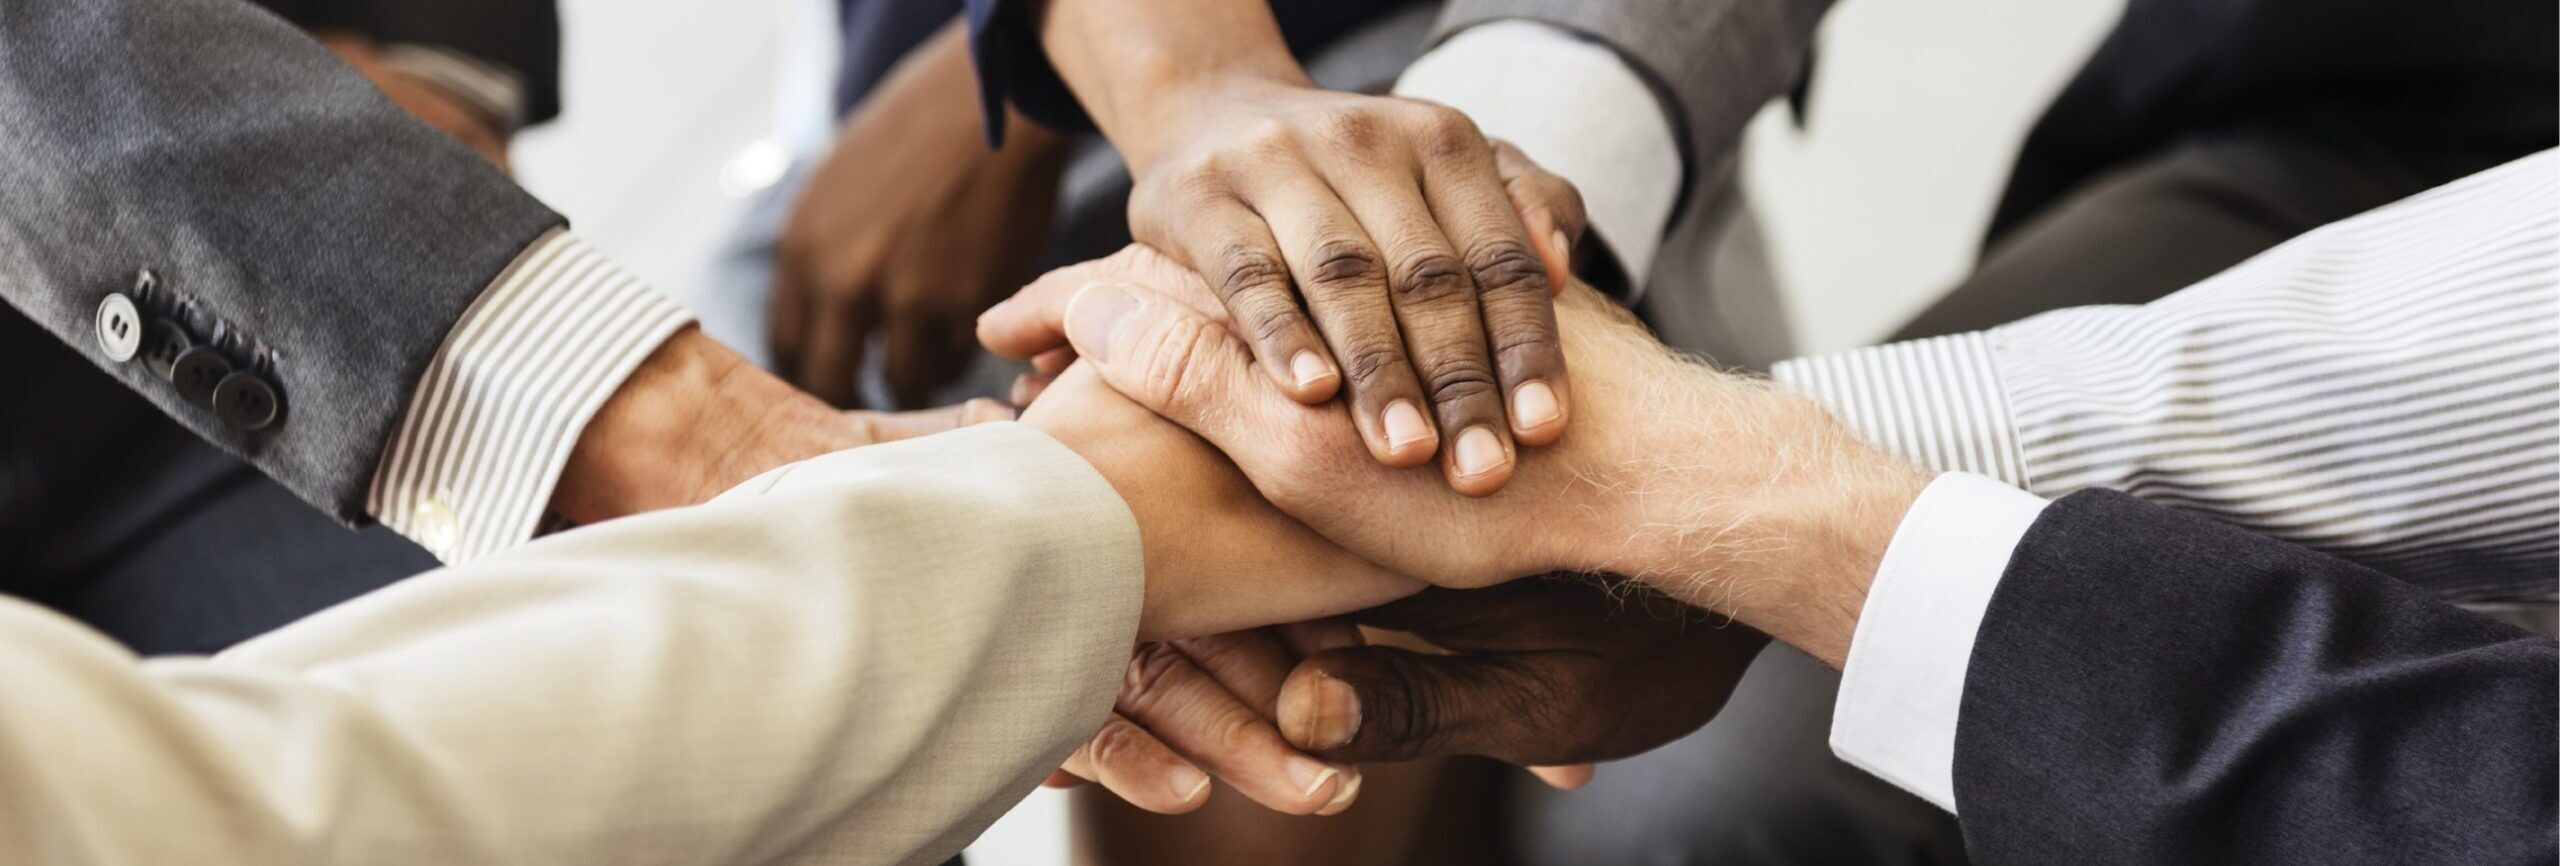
1575	108
490	427
1904	680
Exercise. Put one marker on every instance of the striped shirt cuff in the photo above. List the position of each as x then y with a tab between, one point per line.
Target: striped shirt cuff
472	467
1936	402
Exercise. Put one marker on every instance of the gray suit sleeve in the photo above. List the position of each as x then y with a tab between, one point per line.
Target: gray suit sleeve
297	222
1713	63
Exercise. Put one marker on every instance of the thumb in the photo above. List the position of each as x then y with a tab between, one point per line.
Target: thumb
1168	357
1386	704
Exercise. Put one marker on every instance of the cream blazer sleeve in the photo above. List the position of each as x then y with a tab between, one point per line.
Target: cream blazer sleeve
865	658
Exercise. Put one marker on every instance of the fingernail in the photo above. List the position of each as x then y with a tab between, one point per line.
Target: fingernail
1337	714
1405	425
1309	774
1095	313
1479	452
1309	369
1535	405
1342	799
1186	783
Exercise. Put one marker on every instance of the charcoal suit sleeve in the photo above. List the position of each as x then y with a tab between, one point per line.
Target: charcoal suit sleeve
2152	687
293	222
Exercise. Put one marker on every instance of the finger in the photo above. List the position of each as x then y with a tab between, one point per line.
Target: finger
1249	664
895	426
786	316
1232	247
1033	321
1346	281
1177	363
1027	388
1060	778
1309	638
832	369
1388	704
1550	206
1133	764
1570	777
924	354
1187	709
1053	362
1434	304
1468	197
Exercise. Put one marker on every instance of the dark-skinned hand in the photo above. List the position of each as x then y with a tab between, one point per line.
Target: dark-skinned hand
1538	672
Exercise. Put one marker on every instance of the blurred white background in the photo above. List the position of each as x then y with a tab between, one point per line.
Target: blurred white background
1918	107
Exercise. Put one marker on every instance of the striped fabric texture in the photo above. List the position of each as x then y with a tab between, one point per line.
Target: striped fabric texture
2385	389
471	470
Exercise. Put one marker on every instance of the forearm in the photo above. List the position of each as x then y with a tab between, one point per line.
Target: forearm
1137	65
878	649
1723	491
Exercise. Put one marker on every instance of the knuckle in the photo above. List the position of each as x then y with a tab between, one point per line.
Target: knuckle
1268	317
1246	267
1357	130
1522	342
1199	183
1118	742
1368	363
1448	134
1456	380
1168	379
1507	265
1343	261
1414	727
1266	138
1238	733
1430	275
1146	682
1211	651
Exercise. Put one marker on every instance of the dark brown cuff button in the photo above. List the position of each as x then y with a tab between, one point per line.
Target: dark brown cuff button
197	372
245	401
162	343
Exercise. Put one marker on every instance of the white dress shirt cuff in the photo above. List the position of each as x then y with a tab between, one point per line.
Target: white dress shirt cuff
471	469
1937	402
1579	111
1904	680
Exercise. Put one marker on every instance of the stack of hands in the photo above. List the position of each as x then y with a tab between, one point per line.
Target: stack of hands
1589	596
1605	601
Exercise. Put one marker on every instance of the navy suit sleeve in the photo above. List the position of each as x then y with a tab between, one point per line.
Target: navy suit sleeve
1012	68
2151	687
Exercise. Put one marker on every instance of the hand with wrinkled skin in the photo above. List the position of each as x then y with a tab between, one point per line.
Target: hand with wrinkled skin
695	419
909	229
1536	672
1362	244
1199	708
1716	489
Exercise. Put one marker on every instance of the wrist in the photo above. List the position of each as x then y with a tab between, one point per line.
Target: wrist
693	420
1760	506
1142	73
